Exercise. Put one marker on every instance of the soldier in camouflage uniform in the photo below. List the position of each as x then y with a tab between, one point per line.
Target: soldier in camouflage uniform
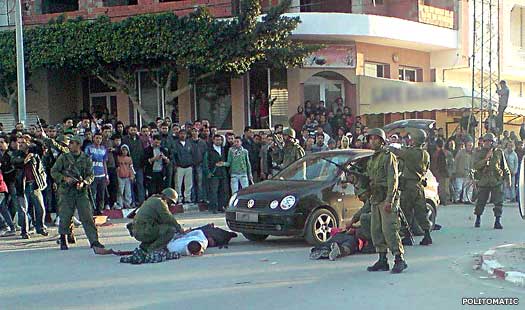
73	172
491	171
154	225
416	162
290	152
383	175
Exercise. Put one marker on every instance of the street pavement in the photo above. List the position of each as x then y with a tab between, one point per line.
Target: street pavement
275	274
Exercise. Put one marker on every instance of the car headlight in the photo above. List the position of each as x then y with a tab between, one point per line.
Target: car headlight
287	202
274	204
233	201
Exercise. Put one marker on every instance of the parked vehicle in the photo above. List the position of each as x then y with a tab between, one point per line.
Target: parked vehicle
307	199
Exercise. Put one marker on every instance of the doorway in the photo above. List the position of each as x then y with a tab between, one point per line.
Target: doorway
319	88
101	104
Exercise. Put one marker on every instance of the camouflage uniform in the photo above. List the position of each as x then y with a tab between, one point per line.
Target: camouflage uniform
290	153
70	198
154	225
416	162
383	174
490	176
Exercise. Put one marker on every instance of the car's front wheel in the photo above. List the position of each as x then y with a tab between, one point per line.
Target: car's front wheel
318	227
255	237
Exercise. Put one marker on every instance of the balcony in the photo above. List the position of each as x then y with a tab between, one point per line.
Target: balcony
439	13
374	29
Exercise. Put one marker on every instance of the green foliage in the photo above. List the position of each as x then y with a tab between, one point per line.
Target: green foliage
197	42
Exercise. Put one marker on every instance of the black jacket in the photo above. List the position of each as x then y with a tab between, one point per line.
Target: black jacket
210	159
148	153
8	170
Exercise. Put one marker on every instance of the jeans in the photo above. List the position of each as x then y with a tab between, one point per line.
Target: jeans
218	193
112	186
459	188
98	191
6	221
184	175
235	179
199	192
34	195
156	183
140	192
124	192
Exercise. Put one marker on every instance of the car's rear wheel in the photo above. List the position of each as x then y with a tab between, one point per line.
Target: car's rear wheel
318	227
255	237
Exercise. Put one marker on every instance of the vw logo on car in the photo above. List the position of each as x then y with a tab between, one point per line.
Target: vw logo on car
251	203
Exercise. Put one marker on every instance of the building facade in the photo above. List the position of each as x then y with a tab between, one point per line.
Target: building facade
386	60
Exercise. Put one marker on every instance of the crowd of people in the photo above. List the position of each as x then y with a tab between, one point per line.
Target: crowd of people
132	163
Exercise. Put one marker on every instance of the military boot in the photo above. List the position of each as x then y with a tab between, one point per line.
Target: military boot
497	224
97	244
427	240
381	264
63	243
478	221
407	241
399	264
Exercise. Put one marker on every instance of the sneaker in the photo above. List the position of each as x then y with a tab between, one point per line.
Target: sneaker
107	207
315	254
43	233
3	231
335	251
25	236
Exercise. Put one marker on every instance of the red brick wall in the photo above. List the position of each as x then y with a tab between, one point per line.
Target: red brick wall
91	9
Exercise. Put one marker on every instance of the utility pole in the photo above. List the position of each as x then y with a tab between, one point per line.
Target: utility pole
20	63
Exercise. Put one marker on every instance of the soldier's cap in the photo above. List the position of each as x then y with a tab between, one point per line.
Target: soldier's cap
76	139
171	194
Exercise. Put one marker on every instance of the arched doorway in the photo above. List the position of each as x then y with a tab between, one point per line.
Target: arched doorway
328	86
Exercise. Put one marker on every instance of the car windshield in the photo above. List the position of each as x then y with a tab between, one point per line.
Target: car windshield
314	168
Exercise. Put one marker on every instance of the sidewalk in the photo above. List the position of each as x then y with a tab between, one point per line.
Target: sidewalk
176	209
506	262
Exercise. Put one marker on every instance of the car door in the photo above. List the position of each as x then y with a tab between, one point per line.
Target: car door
346	198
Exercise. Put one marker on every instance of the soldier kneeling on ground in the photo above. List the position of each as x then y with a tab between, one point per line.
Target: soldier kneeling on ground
356	238
154	225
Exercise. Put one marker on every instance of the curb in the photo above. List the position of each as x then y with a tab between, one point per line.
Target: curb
489	264
174	209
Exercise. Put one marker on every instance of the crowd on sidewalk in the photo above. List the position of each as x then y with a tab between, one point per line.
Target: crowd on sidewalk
132	163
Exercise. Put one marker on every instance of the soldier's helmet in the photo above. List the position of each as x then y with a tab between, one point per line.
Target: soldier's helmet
171	194
289	132
376	132
419	136
489	137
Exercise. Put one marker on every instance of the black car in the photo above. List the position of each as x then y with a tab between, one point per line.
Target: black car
306	199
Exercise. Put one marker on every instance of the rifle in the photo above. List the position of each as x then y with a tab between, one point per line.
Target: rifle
354	171
405	223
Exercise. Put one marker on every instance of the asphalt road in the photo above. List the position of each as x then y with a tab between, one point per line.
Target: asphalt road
276	274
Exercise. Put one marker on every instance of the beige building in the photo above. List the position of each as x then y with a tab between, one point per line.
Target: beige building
388	61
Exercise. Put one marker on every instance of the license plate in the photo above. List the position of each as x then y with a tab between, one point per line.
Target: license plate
247	217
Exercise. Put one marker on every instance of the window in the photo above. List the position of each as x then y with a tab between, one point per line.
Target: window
375	69
517	25
314	168
7	13
408	74
214	102
59	6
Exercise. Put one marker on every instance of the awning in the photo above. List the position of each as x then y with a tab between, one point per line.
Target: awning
378	96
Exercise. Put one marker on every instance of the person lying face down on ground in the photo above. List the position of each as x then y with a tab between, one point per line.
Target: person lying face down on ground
195	242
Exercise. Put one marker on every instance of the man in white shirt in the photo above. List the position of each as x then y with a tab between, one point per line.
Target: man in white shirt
191	244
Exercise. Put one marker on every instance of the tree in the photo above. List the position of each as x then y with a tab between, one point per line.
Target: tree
8	82
197	43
